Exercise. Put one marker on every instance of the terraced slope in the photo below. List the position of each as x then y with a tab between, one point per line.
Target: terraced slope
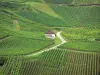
86	1
21	45
43	7
58	1
20	34
79	15
42	18
22	28
73	1
59	14
62	15
20	0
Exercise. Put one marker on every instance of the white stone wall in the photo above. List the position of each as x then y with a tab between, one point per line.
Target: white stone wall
52	36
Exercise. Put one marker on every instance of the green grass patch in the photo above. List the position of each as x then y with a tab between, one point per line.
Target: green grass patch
89	33
81	45
22	45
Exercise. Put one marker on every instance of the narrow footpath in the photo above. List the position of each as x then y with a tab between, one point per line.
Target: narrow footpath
62	42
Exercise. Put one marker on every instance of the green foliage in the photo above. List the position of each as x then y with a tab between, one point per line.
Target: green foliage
86	1
81	38
73	1
81	45
10	5
22	45
55	62
72	16
78	16
59	1
42	18
2	61
20	0
12	66
62	62
30	35
81	33
31	38
2	32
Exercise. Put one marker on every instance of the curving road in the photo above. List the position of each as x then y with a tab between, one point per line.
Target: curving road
62	42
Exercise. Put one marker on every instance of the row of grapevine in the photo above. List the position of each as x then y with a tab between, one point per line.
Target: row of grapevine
30	38
60	1
6	20
71	16
78	16
76	63
73	1
57	62
86	1
20	1
90	33
64	62
22	45
41	18
12	65
81	45
7	28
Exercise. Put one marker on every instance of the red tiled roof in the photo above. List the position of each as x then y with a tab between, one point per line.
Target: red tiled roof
50	32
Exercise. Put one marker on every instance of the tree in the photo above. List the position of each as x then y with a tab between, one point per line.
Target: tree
2	61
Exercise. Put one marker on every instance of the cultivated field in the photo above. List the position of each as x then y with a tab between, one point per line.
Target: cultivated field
55	62
25	50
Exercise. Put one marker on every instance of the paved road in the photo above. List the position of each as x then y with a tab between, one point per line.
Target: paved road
62	42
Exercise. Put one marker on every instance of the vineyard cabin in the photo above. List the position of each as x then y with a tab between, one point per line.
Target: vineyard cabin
50	34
